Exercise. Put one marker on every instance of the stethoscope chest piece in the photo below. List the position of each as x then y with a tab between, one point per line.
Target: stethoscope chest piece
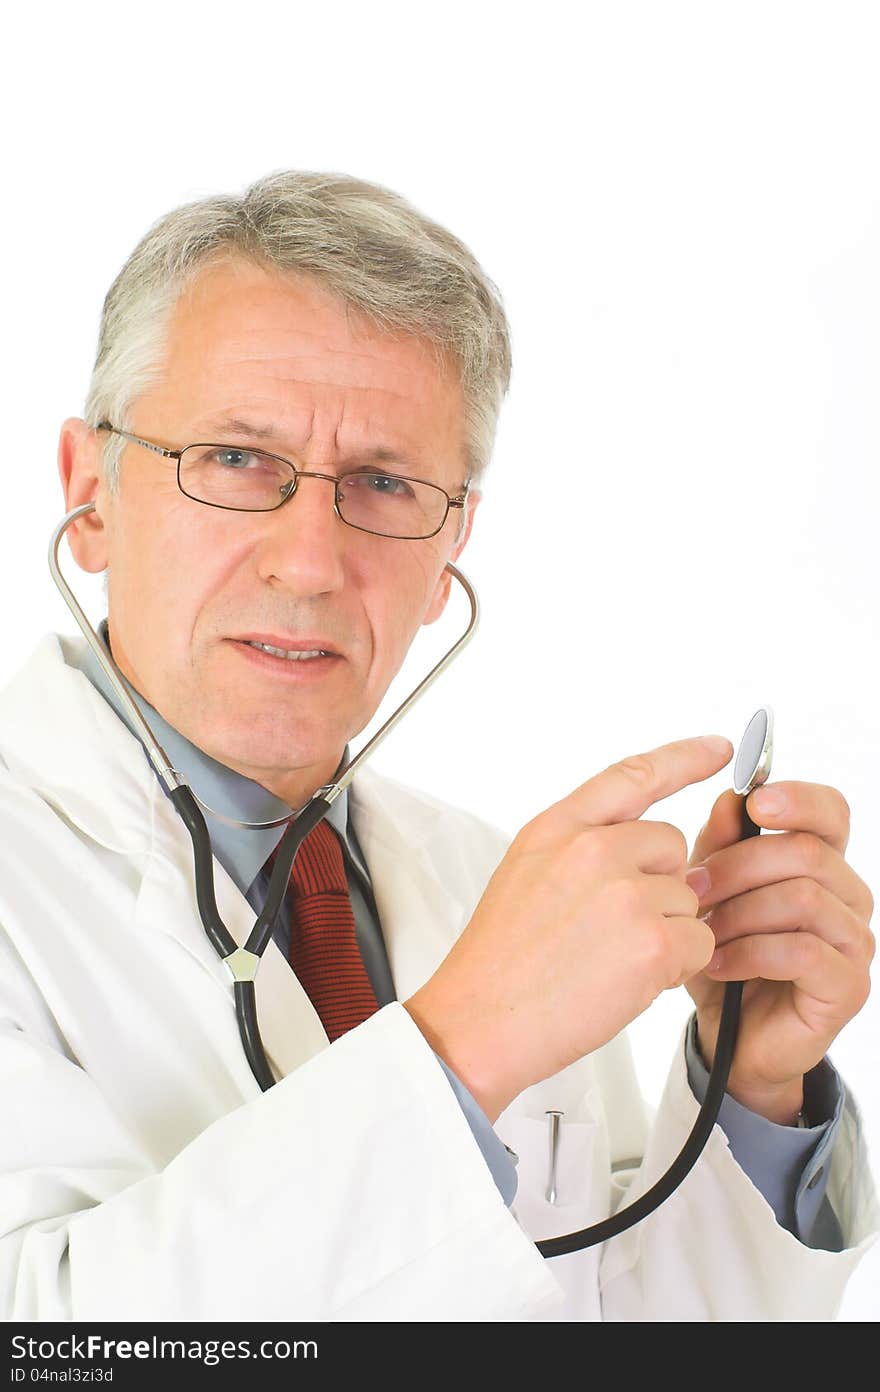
755	754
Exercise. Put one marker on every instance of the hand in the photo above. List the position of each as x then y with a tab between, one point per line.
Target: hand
585	921
790	919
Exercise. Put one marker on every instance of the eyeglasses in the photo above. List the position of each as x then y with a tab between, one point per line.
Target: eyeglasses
250	480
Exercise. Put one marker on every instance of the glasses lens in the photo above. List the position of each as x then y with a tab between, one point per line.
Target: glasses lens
392	506
227	476
250	481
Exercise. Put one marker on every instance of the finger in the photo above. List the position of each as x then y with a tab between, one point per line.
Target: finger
687	939
623	791
799	905
666	895
653	847
767	860
812	807
815	967
723	827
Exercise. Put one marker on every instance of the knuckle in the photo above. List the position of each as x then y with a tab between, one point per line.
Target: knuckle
679	839
863	991
537	835
638	767
627	898
589	849
662	839
808	951
673	839
655	945
811	852
807	895
705	944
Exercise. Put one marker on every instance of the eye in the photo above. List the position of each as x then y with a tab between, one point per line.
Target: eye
231	458
381	485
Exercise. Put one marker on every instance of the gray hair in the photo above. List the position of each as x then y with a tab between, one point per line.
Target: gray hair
380	255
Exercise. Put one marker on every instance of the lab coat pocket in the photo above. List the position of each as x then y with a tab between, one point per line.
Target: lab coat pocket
563	1185
562	1172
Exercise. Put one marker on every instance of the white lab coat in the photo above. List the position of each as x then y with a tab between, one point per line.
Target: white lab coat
143	1175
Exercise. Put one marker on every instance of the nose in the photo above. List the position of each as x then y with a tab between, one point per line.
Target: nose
304	540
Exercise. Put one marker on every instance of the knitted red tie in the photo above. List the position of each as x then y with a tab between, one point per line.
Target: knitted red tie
323	948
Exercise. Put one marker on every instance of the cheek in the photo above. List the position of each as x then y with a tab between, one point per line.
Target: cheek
407	592
164	570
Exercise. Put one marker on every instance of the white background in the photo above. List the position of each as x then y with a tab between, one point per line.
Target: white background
679	203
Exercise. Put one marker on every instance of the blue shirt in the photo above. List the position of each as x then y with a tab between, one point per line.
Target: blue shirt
789	1165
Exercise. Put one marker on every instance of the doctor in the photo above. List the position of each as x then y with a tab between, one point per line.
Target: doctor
399	1169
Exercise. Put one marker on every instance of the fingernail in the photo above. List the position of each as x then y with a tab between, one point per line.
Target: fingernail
716	744
699	880
769	800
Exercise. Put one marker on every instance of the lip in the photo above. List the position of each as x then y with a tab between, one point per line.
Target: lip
284	668
277	640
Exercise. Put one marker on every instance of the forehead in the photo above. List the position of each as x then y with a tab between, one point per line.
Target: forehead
284	351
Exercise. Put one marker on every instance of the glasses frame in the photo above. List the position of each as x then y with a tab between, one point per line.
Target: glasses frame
451	502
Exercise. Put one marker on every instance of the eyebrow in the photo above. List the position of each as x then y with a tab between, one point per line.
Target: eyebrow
246	430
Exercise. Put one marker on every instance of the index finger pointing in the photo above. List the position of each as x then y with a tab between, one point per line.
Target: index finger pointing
623	791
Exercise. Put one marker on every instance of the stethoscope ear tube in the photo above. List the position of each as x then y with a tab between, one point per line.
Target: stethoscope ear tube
314	812
220	936
242	962
221	939
236	958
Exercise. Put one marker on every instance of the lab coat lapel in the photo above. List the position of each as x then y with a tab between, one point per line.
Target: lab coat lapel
60	735
419	917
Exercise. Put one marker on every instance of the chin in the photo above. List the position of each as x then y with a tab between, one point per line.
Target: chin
275	753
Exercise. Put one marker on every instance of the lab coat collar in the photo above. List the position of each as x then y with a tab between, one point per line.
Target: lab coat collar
59	736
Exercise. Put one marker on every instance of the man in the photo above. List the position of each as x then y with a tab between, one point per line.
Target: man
294	397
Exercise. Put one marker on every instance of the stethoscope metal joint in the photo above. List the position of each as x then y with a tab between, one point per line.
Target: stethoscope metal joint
751	768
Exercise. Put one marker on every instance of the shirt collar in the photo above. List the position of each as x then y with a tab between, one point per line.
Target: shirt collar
242	851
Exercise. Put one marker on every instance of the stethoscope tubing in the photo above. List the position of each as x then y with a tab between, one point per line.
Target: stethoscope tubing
246	1012
218	934
243	962
700	1132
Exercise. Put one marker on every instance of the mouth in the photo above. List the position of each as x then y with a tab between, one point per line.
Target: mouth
299	663
289	654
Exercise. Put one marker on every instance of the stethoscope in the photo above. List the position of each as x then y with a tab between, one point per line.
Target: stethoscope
751	768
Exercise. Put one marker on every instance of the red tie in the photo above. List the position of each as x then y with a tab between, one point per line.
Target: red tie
323	948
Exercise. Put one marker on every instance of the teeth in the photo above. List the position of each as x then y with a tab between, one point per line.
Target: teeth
291	656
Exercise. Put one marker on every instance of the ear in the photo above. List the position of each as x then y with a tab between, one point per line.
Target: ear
82	479
441	591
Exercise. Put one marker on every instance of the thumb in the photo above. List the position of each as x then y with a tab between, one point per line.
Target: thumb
724	828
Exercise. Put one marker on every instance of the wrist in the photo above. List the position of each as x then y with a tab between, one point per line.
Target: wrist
782	1105
460	1050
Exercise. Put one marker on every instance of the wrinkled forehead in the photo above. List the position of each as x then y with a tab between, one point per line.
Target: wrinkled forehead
283	350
